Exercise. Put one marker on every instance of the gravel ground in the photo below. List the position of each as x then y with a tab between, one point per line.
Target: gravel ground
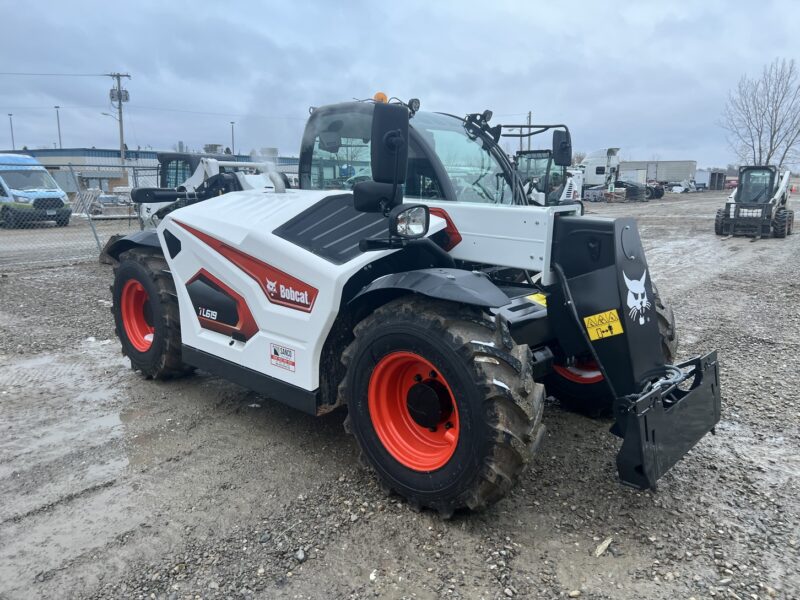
43	244
116	487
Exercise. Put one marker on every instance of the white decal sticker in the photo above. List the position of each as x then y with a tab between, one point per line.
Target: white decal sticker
208	313
272	287
286	293
282	357
638	302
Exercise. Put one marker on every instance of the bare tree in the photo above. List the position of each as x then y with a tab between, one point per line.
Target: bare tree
762	116
577	157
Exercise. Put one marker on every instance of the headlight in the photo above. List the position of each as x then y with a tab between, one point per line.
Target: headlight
22	199
409	221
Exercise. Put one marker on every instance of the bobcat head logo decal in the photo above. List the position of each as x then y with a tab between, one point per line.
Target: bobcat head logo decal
287	295
272	287
637	301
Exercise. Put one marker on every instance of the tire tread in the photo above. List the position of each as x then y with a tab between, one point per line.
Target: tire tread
513	407
169	363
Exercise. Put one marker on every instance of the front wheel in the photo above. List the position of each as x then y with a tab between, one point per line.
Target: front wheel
718	221
780	224
442	403
145	309
10	219
579	384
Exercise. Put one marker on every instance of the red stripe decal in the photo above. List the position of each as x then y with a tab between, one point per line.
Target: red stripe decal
280	288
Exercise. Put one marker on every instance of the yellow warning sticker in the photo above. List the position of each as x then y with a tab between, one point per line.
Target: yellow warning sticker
603	325
538	298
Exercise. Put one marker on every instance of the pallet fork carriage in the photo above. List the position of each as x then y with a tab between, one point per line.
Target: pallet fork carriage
411	280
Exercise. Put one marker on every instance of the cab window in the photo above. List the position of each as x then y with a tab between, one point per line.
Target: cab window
340	157
474	171
756	186
421	179
176	172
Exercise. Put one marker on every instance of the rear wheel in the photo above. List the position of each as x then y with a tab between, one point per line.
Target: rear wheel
578	382
648	192
62	221
145	309
718	220
442	403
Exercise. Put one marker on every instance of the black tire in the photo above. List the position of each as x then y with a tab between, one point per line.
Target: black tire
498	406
648	192
595	399
162	359
62	221
780	224
10	219
718	220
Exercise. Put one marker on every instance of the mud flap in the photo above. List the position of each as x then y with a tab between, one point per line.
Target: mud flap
662	425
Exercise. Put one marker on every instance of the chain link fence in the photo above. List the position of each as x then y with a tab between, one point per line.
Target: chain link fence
67	213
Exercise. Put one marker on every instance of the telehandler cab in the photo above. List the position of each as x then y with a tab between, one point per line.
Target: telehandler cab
431	299
758	206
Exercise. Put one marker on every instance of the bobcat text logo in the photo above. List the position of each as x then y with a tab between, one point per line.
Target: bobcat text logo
287	293
637	297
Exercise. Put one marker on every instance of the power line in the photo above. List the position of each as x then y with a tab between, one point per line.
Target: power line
56	74
161	109
76	106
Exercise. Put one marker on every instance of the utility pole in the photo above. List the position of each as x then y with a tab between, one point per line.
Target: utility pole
233	145
529	130
119	96
58	122
11	125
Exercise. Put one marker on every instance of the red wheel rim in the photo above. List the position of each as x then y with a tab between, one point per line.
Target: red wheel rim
136	315
583	372
413	411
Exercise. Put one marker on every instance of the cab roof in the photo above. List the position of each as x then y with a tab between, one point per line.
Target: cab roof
9	160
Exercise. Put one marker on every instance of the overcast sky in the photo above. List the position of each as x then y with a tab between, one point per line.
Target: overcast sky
649	77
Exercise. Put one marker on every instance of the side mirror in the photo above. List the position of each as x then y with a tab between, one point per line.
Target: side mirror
373	197
388	160
330	141
389	150
562	148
